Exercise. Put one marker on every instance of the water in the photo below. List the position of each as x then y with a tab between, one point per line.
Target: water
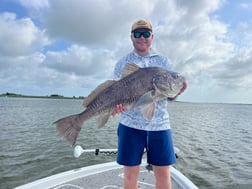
215	142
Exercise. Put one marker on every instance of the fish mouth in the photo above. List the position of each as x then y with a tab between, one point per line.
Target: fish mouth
173	89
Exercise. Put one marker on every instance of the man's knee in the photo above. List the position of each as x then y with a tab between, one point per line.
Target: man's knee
162	176
131	177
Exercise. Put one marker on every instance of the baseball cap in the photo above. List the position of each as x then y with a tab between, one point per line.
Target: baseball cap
141	24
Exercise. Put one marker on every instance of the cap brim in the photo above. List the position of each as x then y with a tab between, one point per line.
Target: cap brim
141	29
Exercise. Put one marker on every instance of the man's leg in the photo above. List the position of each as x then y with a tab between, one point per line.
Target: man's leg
163	177
130	180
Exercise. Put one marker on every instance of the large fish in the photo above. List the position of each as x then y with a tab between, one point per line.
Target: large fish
139	87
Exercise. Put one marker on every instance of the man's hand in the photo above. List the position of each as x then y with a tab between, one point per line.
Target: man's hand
119	108
181	91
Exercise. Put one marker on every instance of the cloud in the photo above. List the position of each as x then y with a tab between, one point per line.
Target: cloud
35	4
80	61
19	36
93	22
246	6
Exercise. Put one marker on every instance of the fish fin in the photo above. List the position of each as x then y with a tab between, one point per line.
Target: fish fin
147	105
130	106
147	98
69	127
148	110
103	119
98	90
158	96
129	69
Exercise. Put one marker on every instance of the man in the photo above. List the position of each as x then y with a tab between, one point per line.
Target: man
135	133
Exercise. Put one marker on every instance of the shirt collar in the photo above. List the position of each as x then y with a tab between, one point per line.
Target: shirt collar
151	54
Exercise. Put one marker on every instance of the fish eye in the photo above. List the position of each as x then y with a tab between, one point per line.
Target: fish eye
176	75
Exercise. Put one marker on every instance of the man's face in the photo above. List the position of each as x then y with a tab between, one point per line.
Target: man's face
142	45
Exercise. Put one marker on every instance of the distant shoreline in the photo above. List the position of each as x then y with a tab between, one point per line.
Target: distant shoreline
57	96
52	96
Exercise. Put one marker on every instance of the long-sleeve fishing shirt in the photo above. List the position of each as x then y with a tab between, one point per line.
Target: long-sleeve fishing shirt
133	117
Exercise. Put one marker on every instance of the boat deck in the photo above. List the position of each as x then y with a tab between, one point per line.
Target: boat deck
104	176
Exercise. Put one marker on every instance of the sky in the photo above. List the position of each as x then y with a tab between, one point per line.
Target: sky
70	47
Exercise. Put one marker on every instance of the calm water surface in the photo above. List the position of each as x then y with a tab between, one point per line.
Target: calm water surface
215	141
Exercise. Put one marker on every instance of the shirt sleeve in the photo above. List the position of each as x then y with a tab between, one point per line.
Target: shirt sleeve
118	70
166	64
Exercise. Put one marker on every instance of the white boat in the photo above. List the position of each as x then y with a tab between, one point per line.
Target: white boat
104	176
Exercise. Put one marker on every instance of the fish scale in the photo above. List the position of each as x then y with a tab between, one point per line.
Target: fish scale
139	87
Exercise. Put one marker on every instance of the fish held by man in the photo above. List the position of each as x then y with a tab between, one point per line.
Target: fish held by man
138	88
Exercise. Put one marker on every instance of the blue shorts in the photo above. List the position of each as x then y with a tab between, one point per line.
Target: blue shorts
133	142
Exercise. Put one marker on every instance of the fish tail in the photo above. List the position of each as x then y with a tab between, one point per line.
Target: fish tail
69	127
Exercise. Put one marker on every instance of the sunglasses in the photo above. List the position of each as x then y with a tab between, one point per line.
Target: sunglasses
145	34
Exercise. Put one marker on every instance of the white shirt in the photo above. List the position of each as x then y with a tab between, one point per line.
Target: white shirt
133	117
